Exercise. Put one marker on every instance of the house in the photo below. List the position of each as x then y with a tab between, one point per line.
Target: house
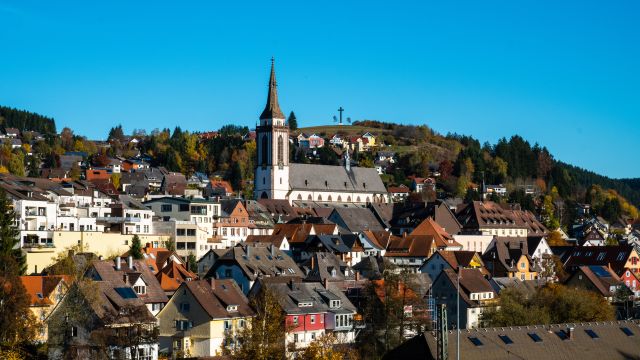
337	140
593	238
582	341
369	140
410	252
405	217
619	258
45	293
208	259
383	156
247	263
509	258
454	260
315	141
347	247
374	243
313	309
217	187
135	276
632	281
173	184
233	224
599	279
398	193
489	218
325	266
475	292
444	241
202	317
419	184
104	311
167	266
278	240
499	190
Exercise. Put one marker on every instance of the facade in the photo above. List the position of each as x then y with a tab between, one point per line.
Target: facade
199	316
275	178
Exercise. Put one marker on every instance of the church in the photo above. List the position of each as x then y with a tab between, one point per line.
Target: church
276	178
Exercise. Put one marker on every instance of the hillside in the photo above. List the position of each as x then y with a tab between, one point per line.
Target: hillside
26	121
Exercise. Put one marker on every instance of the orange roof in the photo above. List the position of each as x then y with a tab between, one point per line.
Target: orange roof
441	236
222	184
39	287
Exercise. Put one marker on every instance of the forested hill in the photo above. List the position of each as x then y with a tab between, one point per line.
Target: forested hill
26	121
628	188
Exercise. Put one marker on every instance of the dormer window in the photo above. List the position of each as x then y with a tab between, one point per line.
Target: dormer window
140	289
334	304
231	308
305	304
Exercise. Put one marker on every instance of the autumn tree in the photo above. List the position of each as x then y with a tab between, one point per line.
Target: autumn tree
550	304
264	337
17	323
327	347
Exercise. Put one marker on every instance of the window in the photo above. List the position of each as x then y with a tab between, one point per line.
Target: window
534	337
295	320
507	340
562	335
592	334
626	331
312	319
522	265
181	232
241	323
295	338
74	331
280	150
475	341
227	324
166	208
140	289
185	307
191	232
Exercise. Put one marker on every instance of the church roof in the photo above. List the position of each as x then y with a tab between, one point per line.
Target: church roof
272	109
335	178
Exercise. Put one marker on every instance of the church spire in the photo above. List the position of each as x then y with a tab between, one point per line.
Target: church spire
272	109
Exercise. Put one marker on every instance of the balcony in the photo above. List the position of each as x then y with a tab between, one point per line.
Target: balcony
119	219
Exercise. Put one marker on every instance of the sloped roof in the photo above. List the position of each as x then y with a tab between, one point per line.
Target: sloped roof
321	265
215	295
39	287
615	256
411	246
356	219
332	178
106	271
257	260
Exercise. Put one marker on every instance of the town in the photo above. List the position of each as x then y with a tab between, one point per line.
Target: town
358	240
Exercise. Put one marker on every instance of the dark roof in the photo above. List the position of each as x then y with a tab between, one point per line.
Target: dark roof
105	270
612	343
356	219
336	178
615	256
257	260
291	293
321	265
272	108
215	295
471	281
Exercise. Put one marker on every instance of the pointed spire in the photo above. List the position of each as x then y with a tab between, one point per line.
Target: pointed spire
272	109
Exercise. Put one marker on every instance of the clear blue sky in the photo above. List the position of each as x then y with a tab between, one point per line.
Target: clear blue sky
562	73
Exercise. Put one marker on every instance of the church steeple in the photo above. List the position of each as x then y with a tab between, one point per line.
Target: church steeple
272	109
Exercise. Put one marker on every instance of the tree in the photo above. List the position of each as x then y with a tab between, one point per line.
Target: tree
17	323
135	249
555	239
9	234
550	304
264	337
293	122
115	180
192	263
75	172
116	133
327	347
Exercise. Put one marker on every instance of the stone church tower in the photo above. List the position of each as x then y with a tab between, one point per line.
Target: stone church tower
272	144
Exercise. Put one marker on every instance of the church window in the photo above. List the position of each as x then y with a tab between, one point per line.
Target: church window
358	199
299	196
264	180
349	199
280	181
368	199
326	183
319	197
339	198
280	150
309	198
264	151
329	198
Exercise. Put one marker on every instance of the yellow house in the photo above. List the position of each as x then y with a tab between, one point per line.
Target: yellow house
199	316
100	243
524	269
369	140
45	292
509	258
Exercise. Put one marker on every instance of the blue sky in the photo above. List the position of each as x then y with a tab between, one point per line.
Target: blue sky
561	73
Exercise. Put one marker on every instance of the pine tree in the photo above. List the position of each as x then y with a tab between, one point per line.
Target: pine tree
293	122
9	234
135	249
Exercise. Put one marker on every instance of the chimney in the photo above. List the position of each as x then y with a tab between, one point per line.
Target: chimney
313	262
248	251
273	250
212	282
570	333
118	262
357	275
130	262
326	283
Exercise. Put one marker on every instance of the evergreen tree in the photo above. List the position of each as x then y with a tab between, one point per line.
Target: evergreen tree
293	122
135	249
9	235
116	133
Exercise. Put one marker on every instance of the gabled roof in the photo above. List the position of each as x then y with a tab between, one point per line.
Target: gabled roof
105	270
471	281
215	295
321	267
356	219
614	256
256	260
39	287
291	293
411	246
429	227
335	178
602	277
